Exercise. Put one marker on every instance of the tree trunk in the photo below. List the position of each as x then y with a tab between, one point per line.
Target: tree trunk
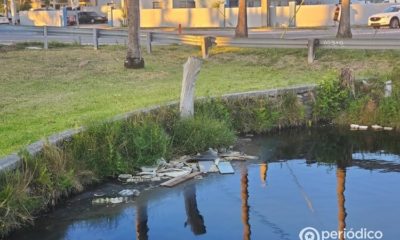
191	70
241	28
344	30
133	55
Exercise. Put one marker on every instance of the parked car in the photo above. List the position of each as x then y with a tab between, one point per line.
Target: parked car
390	17
91	17
4	20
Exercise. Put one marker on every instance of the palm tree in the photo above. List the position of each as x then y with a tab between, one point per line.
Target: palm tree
344	30
241	27
133	56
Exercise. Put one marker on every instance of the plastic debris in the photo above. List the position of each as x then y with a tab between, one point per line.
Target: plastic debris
376	127
209	155
174	172
124	177
232	156
354	126
387	128
129	193
207	166
362	127
112	200
225	167
99	194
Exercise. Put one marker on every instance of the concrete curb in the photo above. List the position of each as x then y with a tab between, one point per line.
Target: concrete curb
12	161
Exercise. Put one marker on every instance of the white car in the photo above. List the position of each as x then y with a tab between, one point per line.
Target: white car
390	17
4	20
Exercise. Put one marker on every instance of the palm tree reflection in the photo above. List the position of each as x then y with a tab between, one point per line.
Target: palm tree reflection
341	186
245	205
141	222
194	218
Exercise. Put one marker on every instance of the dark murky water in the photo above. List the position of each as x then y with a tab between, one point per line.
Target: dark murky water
328	178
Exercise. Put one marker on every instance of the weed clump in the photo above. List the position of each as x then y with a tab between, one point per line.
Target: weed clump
200	133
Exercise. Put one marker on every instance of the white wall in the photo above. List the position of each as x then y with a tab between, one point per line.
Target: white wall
322	15
41	18
253	17
187	17
307	16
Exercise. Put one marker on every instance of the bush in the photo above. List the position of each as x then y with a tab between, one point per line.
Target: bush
199	133
113	148
143	143
331	99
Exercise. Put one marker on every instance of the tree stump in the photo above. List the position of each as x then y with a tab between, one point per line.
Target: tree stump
191	70
347	80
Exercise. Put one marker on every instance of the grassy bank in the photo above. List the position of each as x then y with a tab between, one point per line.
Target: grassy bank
46	92
107	149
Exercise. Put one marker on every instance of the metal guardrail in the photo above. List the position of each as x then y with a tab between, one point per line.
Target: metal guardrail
260	43
206	42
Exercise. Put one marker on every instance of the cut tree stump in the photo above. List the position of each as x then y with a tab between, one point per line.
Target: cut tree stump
191	70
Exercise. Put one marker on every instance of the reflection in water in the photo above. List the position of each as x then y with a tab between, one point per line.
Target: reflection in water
325	165
263	173
244	181
194	218
141	222
341	182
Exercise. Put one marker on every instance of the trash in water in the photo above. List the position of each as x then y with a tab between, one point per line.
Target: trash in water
129	192
112	200
376	127
206	166
209	155
175	181
99	194
237	156
225	167
354	126
174	172
124	177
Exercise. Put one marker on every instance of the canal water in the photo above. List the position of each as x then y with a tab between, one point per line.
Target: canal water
327	178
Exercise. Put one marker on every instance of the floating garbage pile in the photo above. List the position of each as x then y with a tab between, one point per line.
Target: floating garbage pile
373	127
174	172
186	167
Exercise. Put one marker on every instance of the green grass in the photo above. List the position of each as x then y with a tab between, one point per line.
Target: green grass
43	92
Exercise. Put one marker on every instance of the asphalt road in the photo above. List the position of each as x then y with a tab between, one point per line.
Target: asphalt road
11	34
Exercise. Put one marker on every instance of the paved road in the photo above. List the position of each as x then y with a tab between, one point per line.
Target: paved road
11	34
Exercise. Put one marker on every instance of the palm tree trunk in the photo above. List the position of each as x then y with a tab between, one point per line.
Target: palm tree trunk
241	28
344	30
133	55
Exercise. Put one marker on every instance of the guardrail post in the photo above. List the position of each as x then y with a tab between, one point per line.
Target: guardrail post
95	38
205	45
148	43
312	45
45	39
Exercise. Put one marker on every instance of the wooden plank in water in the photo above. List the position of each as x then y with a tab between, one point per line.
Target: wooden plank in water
175	181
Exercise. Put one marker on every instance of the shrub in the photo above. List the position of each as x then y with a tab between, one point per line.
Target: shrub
113	148
143	143
97	149
331	99
199	133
